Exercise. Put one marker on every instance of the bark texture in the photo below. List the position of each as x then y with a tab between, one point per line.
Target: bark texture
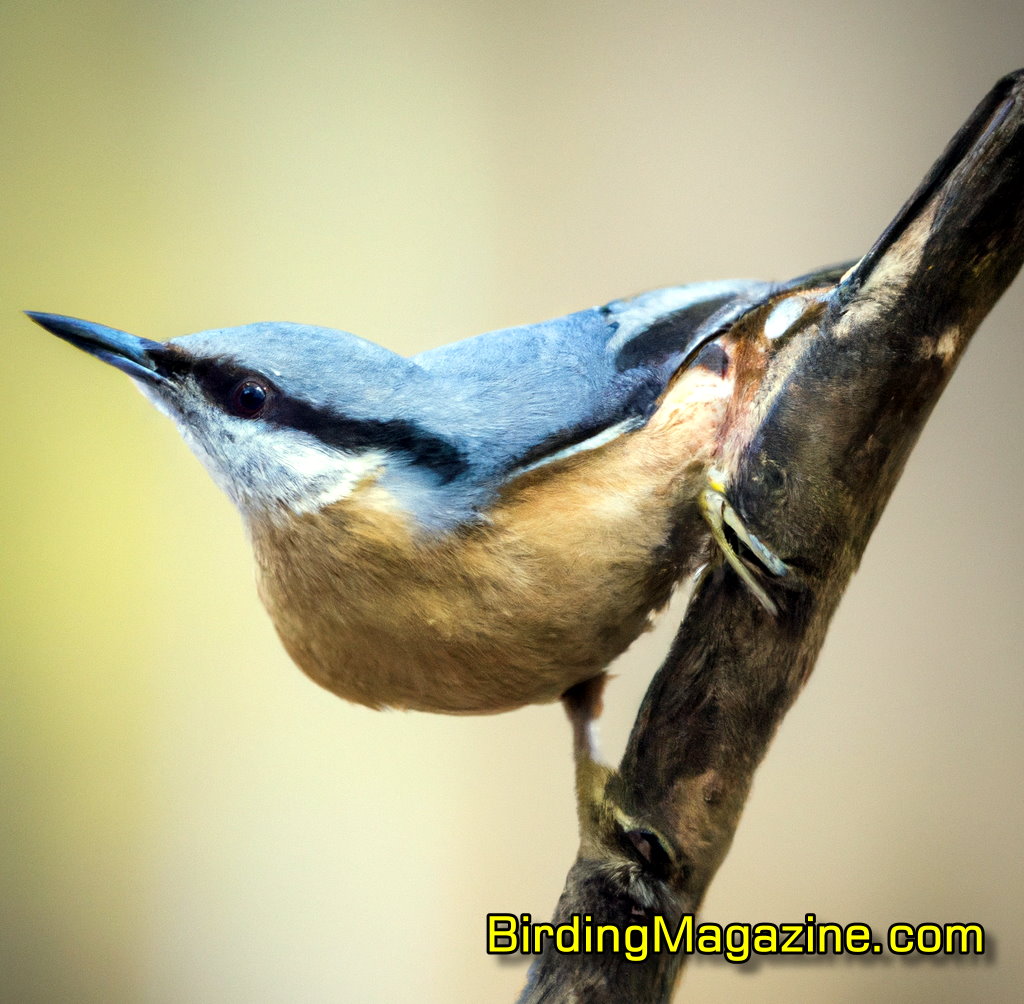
820	428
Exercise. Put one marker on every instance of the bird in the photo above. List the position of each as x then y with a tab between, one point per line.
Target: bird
487	524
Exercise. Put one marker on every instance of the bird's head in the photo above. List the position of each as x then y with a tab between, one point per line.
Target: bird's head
287	418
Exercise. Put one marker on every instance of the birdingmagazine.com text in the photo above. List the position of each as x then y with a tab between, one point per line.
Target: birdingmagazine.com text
509	933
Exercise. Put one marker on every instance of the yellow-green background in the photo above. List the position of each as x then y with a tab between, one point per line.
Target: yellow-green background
184	816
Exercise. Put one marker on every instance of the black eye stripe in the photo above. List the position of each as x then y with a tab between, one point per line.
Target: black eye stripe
220	379
419	446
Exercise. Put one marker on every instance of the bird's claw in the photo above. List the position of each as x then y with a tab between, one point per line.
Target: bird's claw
719	513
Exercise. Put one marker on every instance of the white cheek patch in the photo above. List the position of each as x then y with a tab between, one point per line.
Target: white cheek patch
335	475
262	467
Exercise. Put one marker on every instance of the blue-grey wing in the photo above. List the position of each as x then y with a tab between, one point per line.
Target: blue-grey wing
523	396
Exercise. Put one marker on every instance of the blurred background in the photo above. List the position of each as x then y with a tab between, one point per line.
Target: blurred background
185	817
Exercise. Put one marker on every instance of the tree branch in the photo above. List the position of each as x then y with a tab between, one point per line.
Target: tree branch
820	427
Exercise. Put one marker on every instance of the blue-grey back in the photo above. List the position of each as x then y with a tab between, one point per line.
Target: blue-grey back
503	399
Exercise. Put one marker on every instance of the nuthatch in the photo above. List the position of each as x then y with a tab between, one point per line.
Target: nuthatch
484	525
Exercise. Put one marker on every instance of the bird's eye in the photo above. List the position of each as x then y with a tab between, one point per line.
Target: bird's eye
248	399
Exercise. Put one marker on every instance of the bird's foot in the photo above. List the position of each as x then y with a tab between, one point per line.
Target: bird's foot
719	513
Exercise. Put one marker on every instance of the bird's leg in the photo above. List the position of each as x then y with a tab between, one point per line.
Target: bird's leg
604	825
582	703
719	514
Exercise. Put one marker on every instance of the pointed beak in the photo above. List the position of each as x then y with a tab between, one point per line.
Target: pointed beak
133	355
